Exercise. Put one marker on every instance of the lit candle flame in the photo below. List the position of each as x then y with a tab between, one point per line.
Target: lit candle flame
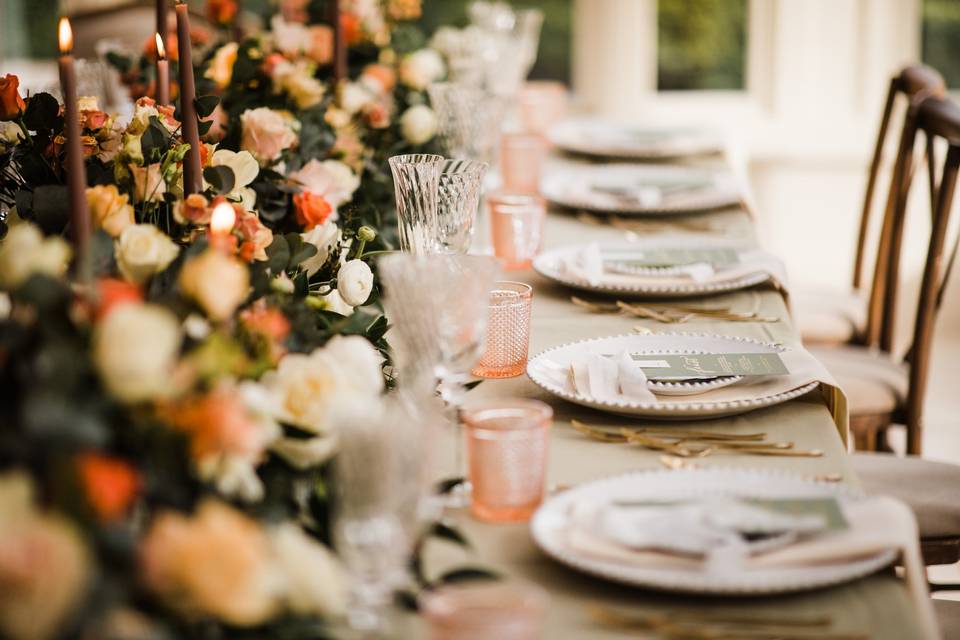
161	52
223	218
65	36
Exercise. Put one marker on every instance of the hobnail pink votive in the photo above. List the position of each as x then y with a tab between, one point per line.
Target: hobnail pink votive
543	104
507	442
521	157
508	331
516	227
481	611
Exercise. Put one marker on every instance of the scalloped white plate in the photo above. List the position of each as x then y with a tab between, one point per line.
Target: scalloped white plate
551	522
548	370
607	139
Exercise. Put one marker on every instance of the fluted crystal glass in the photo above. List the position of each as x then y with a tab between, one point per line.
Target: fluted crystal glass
459	197
416	179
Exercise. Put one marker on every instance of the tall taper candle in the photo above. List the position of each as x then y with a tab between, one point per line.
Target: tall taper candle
76	172
162	9
163	73
339	44
188	113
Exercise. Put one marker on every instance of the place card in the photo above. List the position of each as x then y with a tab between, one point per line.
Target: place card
827	509
709	365
673	257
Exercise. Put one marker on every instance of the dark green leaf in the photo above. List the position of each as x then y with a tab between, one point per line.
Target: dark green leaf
406	600
203	127
205	105
155	141
446	486
448	533
466	574
304	252
221	178
42	111
278	255
51	207
473	384
120	62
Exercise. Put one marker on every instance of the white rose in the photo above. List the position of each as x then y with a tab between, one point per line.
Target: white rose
354	97
10	134
25	251
142	251
316	583
361	361
420	68
266	133
135	349
221	65
148	184
331	179
418	124
324	237
334	302
218	282
355	282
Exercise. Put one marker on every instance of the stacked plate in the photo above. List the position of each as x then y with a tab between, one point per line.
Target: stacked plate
595	137
663	268
640	189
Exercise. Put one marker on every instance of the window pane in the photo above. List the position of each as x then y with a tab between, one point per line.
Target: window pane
941	38
701	44
553	59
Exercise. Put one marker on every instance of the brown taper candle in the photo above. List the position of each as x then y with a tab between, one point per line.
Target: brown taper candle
163	73
188	113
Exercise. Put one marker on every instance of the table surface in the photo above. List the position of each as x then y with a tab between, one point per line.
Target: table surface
877	606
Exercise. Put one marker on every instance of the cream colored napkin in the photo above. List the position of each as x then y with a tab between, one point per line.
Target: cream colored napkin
610	379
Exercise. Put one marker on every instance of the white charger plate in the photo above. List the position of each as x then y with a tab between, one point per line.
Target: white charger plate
548	370
607	139
550	264
588	187
551	521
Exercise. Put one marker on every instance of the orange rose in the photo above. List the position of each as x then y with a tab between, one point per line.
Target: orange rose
11	104
194	209
110	485
112	292
382	75
221	11
254	235
352	29
311	209
404	9
218	423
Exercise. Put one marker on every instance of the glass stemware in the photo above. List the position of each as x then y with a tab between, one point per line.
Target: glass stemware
459	199
416	179
468	119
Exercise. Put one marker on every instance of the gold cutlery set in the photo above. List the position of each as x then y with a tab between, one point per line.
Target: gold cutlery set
648	226
673	313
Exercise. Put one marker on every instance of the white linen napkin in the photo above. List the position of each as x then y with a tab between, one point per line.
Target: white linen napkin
609	379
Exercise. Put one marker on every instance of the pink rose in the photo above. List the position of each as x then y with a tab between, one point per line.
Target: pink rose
266	134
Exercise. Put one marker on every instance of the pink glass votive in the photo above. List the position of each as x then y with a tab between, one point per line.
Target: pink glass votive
485	611
508	331
516	226
543	104
521	156
507	441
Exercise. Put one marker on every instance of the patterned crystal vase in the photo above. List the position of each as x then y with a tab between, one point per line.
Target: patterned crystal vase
416	180
459	197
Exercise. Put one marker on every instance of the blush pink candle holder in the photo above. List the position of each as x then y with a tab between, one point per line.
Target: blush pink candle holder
516	227
508	331
507	443
521	159
485	611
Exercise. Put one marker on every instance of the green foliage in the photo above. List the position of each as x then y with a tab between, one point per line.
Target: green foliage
941	38
701	44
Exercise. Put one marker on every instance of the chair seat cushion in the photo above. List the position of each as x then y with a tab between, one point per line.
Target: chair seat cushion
873	383
828	317
948	615
930	488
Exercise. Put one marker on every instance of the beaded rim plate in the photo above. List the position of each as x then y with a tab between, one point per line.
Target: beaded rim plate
550	522
592	137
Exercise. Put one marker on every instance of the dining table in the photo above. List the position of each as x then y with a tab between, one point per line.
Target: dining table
878	606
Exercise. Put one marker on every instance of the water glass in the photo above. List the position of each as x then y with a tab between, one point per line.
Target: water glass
508	331
516	227
543	104
468	119
501	610
507	442
521	158
416	181
459	197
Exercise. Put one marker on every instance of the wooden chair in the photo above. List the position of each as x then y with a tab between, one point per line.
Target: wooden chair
831	318
928	487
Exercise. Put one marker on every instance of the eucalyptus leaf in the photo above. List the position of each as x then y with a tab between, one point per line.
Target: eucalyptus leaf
467	574
155	141
278	255
205	105
51	207
448	533
221	178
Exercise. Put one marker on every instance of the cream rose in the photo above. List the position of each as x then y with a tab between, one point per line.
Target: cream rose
355	282
216	281
135	349
332	179
354	97
420	68
221	65
110	210
418	124
25	251
315	580
148	184
305	90
266	133
142	251
324	237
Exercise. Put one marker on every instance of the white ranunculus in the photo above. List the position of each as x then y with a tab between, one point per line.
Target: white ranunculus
316	582
220	69
355	282
418	124
361	361
332	179
420	68
25	251
142	251
135	349
324	237
266	133
334	302
148	184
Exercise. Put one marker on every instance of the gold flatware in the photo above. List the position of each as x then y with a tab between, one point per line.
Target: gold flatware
787	453
679	432
602	435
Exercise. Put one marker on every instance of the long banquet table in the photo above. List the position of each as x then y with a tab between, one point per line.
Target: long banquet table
876	607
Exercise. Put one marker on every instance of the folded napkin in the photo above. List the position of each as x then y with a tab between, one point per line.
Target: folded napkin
587	264
609	379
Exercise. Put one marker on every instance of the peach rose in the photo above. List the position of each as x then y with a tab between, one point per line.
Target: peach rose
11	104
194	209
216	281
379	78
311	209
110	210
320	43
266	134
255	237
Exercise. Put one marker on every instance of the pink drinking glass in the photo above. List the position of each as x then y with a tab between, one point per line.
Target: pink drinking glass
485	611
516	226
508	331
507	442
521	157
543	104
